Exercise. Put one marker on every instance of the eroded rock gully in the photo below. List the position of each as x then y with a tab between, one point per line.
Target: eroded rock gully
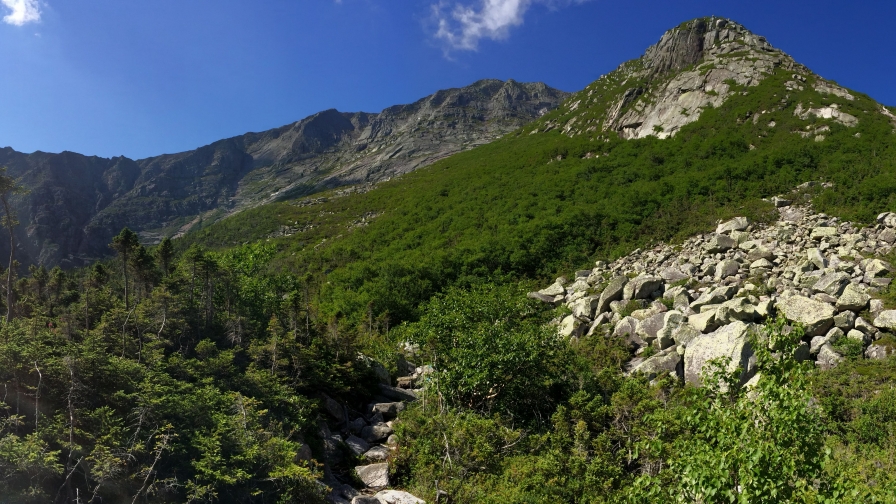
369	437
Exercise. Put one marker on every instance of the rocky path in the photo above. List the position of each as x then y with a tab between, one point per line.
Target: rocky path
368	436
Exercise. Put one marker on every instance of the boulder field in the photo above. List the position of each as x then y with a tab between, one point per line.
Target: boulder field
681	306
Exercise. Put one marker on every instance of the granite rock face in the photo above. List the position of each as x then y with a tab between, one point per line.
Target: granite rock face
374	475
729	342
696	66
689	69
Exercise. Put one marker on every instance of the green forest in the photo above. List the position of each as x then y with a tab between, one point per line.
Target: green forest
195	370
204	380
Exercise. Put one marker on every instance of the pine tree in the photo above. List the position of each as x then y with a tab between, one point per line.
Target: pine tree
8	187
165	253
125	244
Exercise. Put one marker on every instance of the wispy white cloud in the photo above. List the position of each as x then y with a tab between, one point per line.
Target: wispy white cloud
461	26
21	12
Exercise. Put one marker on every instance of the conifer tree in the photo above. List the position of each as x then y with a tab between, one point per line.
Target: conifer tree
125	243
165	253
8	187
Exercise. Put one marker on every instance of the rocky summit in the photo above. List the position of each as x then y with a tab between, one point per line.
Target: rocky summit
681	306
694	67
76	203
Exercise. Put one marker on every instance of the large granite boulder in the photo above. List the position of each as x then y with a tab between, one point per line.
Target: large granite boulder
828	358
713	296
376	433
583	308
396	394
735	224
816	258
641	287
728	342
389	410
886	320
704	322
674	329
571	327
879	352
374	475
737	309
612	292
544	298
357	445
397	497
853	298
556	289
876	267
832	284
648	328
627	328
817	317
832	336
720	243
726	268
665	362
822	232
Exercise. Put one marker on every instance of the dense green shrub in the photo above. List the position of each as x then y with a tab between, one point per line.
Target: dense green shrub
492	350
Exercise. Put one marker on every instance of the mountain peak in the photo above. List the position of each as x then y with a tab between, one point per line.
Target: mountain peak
688	43
695	66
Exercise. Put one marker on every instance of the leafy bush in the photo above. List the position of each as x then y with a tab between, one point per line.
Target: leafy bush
492	351
763	444
849	347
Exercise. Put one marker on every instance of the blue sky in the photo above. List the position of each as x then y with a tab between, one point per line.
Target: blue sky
140	78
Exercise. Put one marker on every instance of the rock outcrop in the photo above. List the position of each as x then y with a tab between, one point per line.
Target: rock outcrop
701	300
696	66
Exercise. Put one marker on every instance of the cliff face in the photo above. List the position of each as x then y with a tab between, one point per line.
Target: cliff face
696	66
357	148
76	203
692	67
65	192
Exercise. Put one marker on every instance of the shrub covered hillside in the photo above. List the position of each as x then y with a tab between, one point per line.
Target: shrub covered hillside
206	369
547	199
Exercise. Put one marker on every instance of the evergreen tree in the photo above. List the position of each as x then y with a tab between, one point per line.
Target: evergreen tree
125	244
165	253
9	187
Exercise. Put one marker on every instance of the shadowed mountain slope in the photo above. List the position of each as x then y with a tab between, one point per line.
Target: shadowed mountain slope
77	203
